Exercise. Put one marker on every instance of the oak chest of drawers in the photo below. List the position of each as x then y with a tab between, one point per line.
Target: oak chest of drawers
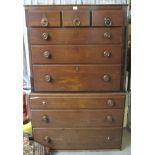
77	63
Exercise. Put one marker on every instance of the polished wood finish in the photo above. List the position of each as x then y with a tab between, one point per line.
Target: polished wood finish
77	101
36	18
79	138
76	36
76	18
77	77
99	16
76	118
77	64
68	54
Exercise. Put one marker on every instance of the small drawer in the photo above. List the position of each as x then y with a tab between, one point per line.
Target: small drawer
107	18
79	138
77	101
77	77
51	36
76	18
43	18
86	54
76	118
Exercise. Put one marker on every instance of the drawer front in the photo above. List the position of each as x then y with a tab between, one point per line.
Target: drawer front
77	101
43	18
107	18
76	18
97	54
76	118
75	35
77	77
82	139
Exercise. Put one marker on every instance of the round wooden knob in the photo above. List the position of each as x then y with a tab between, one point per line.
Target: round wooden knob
47	55
108	138
44	21
110	102
106	78
107	53
76	22
47	78
45	118
47	139
109	118
107	35
45	36
107	21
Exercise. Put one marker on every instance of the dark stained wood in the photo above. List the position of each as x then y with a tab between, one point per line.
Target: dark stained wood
76	118
76	77
76	100
116	16
80	6
76	54
75	36
35	17
70	16
80	138
77	65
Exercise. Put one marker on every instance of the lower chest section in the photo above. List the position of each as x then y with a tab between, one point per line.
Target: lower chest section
78	120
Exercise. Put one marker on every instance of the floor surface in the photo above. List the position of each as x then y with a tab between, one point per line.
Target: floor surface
126	148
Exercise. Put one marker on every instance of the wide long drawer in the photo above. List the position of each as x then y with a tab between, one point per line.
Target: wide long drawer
77	100
82	139
50	54
76	118
76	35
77	77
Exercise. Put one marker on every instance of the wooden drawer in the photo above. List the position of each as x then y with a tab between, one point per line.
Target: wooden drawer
49	54
77	77
77	100
75	35
82	139
76	18
107	18
76	118
46	18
